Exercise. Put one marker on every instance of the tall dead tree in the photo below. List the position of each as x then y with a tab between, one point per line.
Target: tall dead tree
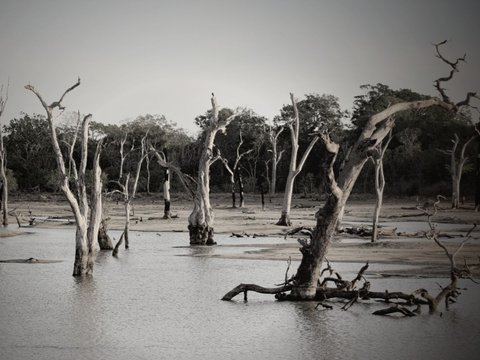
235	175
87	213
457	162
3	161
295	168
377	159
128	187
273	135
200	221
303	285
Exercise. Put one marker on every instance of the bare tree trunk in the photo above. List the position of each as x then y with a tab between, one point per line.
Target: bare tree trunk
295	168
166	189
147	159
128	188
477	177
235	172
200	221
240	187
3	161
273	135
379	186
456	166
4	180
127	223
377	160
87	216
376	129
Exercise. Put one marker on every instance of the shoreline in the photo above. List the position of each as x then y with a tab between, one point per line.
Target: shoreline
412	250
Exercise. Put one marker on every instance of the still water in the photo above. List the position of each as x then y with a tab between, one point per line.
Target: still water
161	300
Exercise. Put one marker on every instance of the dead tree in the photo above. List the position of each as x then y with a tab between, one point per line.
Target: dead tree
3	161
235	175
305	282
377	159
400	302
457	162
87	214
167	214
200	221
128	187
273	135
294	169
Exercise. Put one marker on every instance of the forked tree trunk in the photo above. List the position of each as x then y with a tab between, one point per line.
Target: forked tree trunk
295	168
313	254
87	216
128	188
456	167
273	135
200	221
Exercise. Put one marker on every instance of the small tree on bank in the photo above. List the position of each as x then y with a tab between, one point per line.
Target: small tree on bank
87	213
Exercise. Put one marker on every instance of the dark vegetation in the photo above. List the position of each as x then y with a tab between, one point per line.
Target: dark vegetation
415	162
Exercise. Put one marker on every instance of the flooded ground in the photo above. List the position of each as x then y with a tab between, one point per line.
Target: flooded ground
161	299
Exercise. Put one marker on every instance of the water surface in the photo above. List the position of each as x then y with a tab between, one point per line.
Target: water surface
151	303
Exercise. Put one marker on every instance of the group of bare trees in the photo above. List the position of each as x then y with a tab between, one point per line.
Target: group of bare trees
370	142
304	285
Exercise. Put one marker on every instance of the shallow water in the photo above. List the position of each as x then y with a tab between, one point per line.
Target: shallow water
151	303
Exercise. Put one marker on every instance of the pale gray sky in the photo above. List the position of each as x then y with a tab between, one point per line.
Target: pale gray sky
166	57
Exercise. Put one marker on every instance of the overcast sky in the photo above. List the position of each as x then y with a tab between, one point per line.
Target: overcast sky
166	57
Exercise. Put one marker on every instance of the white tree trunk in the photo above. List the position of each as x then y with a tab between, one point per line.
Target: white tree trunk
200	221
294	168
87	223
3	161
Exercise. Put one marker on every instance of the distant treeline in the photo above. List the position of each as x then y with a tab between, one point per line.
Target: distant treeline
415	162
